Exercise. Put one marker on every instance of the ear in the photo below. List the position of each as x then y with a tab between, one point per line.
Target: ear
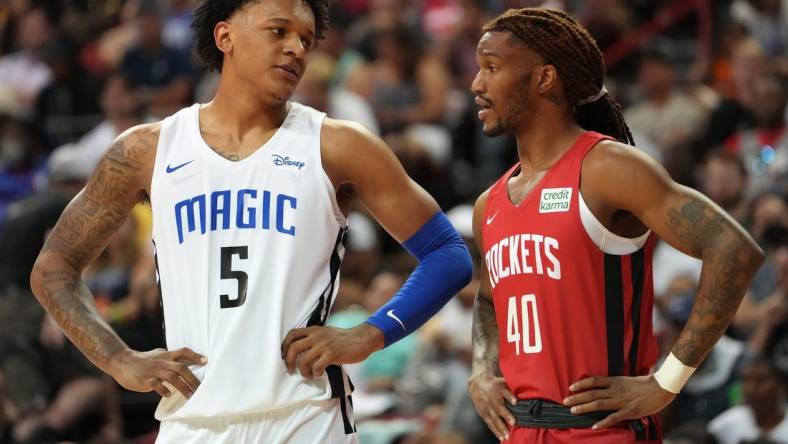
548	79
223	37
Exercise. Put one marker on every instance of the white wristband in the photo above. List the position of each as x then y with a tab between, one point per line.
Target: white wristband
673	374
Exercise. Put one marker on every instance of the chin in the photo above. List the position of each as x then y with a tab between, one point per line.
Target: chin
493	131
282	94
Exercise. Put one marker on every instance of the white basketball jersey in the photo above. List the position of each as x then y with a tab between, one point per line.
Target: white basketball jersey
245	252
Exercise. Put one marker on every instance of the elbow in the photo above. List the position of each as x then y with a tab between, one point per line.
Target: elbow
753	253
758	256
465	267
46	270
37	276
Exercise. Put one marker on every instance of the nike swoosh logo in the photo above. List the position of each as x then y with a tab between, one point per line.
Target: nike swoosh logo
490	219
173	169
391	314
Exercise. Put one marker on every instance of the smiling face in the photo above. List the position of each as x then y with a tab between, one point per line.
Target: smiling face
265	45
503	86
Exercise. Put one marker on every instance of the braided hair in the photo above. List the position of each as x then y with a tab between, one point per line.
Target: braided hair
565	44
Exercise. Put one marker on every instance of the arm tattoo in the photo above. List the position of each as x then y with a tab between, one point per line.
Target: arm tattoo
485	334
730	260
79	236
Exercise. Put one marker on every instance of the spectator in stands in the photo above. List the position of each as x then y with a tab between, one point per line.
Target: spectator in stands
337	102
163	73
22	160
666	116
407	87
121	106
766	20
724	180
747	62
763	414
764	148
23	73
68	106
177	25
105	54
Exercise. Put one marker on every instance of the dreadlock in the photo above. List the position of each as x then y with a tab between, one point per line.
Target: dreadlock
565	44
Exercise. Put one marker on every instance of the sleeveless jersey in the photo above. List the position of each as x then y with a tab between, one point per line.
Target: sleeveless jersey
245	252
565	309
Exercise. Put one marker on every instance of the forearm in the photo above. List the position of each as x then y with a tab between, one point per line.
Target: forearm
58	287
444	269
728	269
485	336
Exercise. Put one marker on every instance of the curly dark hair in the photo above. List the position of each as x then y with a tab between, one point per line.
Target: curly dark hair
566	44
211	12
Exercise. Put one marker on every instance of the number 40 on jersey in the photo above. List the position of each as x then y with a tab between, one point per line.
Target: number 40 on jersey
522	316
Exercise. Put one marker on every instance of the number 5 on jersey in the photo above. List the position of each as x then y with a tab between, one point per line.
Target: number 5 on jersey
227	272
519	314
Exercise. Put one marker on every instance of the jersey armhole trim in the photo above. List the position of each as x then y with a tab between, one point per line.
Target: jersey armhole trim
603	238
332	193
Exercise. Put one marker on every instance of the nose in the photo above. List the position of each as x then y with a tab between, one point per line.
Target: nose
478	86
294	47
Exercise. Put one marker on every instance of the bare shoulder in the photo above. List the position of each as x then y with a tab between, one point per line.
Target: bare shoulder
615	168
616	160
131	157
478	215
481	204
138	143
341	136
348	148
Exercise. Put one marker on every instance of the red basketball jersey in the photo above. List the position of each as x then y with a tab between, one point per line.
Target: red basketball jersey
565	309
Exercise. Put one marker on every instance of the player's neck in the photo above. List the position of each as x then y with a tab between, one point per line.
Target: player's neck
544	141
240	112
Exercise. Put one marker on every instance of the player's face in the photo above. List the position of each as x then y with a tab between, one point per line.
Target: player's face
270	41
761	386
503	83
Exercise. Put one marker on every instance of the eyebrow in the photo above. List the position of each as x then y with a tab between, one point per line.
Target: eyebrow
285	21
488	52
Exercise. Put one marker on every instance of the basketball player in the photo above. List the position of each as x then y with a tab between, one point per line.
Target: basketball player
566	235
249	194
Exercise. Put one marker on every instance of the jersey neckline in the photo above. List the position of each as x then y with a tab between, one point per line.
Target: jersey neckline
204	147
517	168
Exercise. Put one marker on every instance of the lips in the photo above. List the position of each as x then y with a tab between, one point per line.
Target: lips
485	107
482	102
292	69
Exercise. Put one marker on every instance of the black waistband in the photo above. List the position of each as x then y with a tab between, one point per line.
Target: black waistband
544	414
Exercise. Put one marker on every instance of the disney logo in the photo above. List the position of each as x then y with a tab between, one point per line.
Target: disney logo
286	161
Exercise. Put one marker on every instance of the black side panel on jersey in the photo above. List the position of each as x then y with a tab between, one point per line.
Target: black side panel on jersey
318	317
336	376
638	259
161	296
349	423
614	315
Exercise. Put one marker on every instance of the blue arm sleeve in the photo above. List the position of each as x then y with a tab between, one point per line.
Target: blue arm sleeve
444	269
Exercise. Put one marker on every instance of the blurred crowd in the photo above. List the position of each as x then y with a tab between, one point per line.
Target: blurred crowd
703	84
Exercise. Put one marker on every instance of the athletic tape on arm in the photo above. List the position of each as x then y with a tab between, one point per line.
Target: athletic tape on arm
673	374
